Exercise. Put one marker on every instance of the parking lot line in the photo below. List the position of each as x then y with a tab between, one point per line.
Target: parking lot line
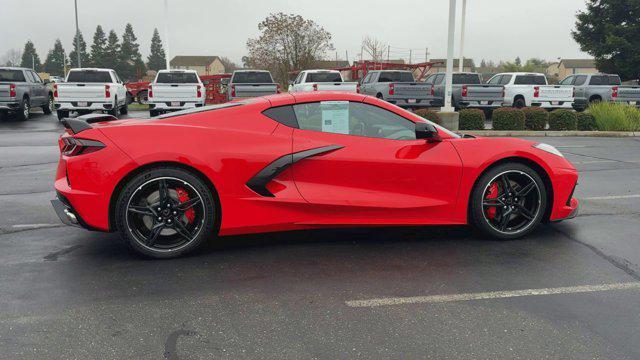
491	295
612	197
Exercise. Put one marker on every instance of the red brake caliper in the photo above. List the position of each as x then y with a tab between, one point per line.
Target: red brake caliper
493	194
183	196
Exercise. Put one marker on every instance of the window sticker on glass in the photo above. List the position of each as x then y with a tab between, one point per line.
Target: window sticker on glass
335	116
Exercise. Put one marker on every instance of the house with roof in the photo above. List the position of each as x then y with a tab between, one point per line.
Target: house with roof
467	66
204	65
568	67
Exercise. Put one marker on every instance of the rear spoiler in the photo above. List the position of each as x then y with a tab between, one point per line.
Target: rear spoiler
82	123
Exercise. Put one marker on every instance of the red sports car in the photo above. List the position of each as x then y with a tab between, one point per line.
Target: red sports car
302	161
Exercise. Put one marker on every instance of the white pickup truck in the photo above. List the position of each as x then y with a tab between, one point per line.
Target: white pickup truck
322	80
532	89
175	90
90	89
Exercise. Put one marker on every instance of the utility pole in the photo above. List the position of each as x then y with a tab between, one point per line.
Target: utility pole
449	70
33	63
166	33
346	56
77	36
409	56
462	23
388	52
426	54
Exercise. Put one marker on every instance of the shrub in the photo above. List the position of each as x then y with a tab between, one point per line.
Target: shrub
535	118
471	119
586	122
563	119
615	117
508	119
429	115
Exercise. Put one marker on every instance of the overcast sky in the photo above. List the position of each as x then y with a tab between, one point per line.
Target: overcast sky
496	29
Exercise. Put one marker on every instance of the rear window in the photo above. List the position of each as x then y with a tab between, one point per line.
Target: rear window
252	77
324	77
88	76
395	76
530	80
177	78
614	80
12	75
463	79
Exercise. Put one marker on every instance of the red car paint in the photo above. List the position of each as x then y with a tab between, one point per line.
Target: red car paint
369	181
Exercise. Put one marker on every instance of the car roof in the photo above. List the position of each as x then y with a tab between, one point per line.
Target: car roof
312	96
520	73
91	69
13	68
250	70
321	71
176	70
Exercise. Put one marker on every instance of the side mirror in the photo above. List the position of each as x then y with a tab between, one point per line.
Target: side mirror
225	81
427	131
46	81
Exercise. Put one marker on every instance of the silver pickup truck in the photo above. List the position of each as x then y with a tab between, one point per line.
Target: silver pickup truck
250	83
397	87
591	88
468	91
22	89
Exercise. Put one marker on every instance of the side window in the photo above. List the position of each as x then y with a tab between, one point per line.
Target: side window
429	80
283	115
354	118
298	78
36	77
29	76
568	81
495	80
505	79
439	79
366	79
596	80
580	80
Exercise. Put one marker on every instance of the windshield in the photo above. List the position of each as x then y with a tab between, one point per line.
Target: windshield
252	77
395	76
324	77
464	79
177	78
12	75
89	76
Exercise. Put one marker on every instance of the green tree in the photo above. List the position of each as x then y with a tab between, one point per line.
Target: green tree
55	61
518	61
30	57
157	56
97	56
609	31
132	63
112	52
84	56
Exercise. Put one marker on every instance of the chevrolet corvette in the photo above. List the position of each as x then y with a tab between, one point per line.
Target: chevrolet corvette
289	162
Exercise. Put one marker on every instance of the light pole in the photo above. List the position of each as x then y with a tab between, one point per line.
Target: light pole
462	24
166	32
449	69
77	35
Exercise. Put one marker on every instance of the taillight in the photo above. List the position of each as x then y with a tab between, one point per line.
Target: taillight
199	92
12	90
315	87
73	146
55	90
107	91
464	91
233	91
614	92
358	88
392	89
433	90
150	92
536	91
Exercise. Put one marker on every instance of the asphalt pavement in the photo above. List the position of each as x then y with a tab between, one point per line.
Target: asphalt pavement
569	291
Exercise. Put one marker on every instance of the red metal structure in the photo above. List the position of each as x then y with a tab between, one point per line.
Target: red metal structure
137	91
215	91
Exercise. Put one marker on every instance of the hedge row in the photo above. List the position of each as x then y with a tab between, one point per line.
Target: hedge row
471	119
429	115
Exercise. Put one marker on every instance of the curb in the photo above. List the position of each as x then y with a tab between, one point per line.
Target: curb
525	133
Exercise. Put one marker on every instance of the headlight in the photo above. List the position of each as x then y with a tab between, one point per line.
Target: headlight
548	148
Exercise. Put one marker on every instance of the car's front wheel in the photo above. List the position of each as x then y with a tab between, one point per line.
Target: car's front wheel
508	201
165	212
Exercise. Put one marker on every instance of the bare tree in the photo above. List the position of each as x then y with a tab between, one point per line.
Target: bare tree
229	66
374	47
287	42
11	58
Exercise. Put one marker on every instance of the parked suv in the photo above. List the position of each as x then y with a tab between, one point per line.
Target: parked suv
590	88
22	89
397	87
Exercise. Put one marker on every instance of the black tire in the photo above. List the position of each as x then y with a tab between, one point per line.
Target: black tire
62	114
48	107
154	113
125	109
137	229
114	110
519	103
143	97
129	98
523	214
379	96
595	100
23	113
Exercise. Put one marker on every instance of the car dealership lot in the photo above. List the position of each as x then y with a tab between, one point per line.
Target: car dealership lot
69	293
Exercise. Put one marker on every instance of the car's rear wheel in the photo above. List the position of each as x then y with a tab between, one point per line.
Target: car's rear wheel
508	201
48	107
165	213
24	111
62	114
